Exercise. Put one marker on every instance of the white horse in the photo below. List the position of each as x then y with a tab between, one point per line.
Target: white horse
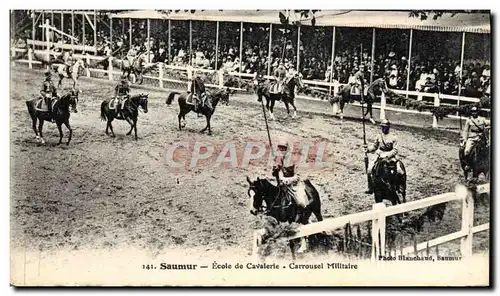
61	69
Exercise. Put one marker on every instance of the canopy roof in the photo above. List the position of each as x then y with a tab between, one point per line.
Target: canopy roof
461	22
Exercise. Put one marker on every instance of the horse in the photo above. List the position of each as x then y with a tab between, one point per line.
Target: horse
387	183
221	95
60	114
61	70
480	158
137	67
130	112
278	206
288	95
344	96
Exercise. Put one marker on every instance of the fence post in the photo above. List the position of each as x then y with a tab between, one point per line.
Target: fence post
221	78
257	241
110	68
378	231
382	106
434	118
30	58
88	63
467	219
160	75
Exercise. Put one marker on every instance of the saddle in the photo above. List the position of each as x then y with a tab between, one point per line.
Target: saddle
113	103
42	106
355	90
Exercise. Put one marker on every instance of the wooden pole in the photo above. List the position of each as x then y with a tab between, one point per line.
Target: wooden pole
409	63
332	62
111	33
43	22
216	46
241	46
467	219
62	21
372	66
298	49
47	39
269	62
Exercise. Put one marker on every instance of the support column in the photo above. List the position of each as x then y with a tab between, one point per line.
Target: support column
461	68
72	30
332	63
84	22
191	42
409	63
130	33
241	46
95	29
111	33
298	49
33	29
372	66
269	61
217	46
62	22
169	42
149	43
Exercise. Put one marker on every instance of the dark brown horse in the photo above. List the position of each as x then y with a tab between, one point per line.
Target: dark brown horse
60	113
480	158
129	113
271	200
288	95
221	95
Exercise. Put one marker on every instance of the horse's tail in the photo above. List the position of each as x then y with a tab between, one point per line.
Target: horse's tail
171	97
103	111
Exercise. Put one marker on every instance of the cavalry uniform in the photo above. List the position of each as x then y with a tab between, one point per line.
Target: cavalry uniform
196	89
122	93
48	91
385	148
475	126
286	178
131	54
280	75
68	62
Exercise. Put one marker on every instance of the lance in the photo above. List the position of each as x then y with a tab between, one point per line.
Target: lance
363	114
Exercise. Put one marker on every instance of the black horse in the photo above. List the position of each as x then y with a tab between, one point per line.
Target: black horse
344	96
480	158
387	183
288	95
129	113
221	95
60	114
278	206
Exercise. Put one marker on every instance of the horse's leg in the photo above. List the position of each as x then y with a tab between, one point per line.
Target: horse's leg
267	102
292	248
59	127
131	122
208	123
209	127
287	108
111	128
40	128
33	125
271	109
292	102
342	105
135	128
180	117
68	126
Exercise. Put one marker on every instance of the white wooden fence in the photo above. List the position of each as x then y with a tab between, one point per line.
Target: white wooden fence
334	86
380	212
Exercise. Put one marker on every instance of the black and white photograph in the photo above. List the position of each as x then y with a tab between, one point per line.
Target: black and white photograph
251	147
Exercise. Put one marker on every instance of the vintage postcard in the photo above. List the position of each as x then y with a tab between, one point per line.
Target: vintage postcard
250	147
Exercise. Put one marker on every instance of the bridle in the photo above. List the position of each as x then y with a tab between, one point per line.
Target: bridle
273	205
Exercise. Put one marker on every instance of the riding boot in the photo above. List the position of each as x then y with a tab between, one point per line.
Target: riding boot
370	184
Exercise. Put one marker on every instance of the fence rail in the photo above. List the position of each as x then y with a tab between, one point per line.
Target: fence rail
380	212
382	106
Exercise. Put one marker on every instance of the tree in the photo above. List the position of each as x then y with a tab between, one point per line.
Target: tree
436	14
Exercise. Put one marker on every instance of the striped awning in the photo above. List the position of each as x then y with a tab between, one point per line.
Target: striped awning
461	22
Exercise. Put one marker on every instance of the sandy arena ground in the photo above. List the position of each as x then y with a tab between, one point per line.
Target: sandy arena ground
109	193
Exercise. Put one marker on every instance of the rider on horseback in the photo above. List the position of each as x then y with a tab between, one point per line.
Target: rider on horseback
475	126
48	91
375	88
280	75
197	89
385	147
284	172
122	92
68	62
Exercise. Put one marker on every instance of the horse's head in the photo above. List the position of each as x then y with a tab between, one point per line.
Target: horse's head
142	100
256	195
71	100
224	95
